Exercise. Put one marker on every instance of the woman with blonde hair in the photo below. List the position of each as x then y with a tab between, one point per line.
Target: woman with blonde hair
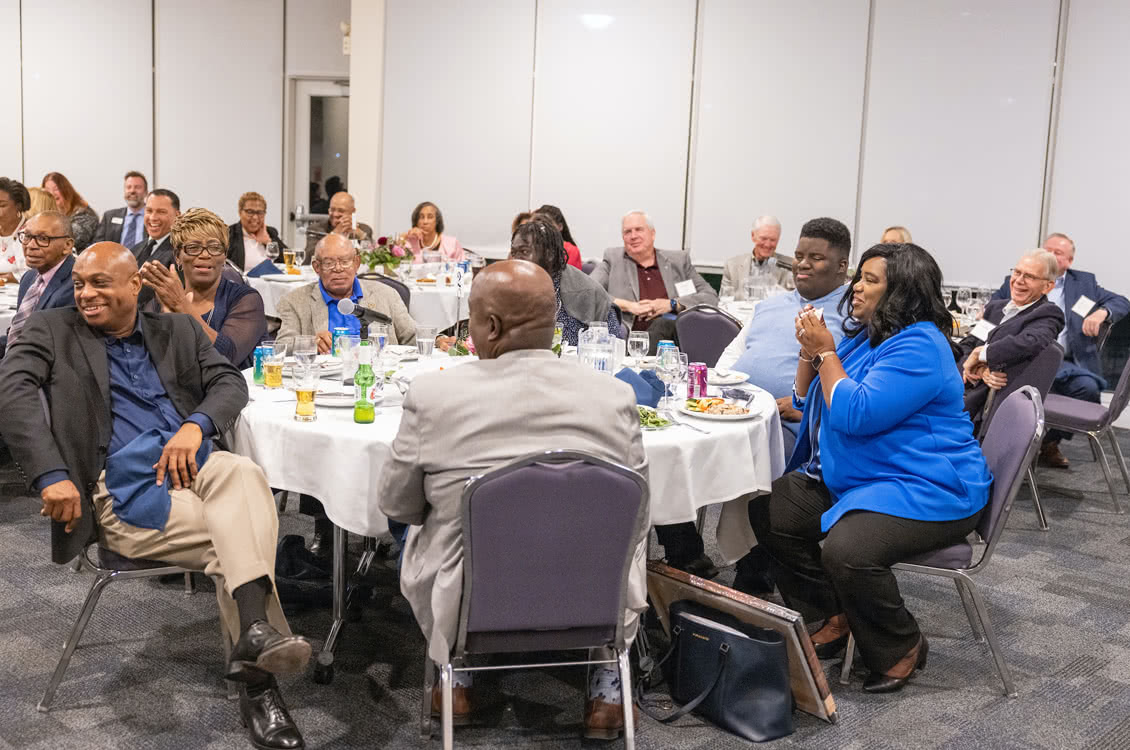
40	201
895	235
84	221
231	313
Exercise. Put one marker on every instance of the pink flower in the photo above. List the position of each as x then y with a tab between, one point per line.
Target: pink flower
398	251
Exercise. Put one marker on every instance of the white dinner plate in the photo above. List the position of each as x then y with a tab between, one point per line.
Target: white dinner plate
643	363
338	400
288	277
725	377
716	417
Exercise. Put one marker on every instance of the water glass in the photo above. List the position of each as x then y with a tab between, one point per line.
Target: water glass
348	346
305	350
425	340
667	368
273	251
305	386
379	334
638	344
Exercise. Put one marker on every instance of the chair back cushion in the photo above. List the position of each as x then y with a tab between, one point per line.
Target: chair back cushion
548	546
588	266
1039	372
705	332
400	287
1121	395
1010	445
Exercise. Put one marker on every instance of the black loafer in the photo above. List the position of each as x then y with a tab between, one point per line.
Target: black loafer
752	575
261	648
268	722
831	649
878	682
701	566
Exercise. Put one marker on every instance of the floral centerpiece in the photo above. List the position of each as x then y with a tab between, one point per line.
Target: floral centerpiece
389	251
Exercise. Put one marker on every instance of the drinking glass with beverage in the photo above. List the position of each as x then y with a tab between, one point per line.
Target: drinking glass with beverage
379	334
425	340
348	345
261	352
288	259
273	366
300	255
305	350
638	344
667	368
305	385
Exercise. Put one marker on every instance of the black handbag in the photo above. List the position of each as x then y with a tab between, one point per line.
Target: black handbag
734	674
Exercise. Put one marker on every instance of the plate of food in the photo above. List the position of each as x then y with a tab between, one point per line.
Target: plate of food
650	419
721	376
719	409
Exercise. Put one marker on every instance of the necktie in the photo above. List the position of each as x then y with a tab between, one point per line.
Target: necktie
129	238
26	309
146	251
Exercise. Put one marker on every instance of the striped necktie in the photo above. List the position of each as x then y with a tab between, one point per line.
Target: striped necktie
26	309
129	235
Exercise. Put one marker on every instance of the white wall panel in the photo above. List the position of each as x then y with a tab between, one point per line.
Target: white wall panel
313	38
956	129
612	115
457	114
220	102
11	143
1090	192
88	94
778	124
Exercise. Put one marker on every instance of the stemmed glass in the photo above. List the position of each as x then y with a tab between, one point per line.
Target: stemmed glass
964	296
638	344
667	368
299	255
273	251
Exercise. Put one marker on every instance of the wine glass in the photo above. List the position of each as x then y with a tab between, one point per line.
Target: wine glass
681	375
964	296
305	350
667	368
300	255
273	251
638	344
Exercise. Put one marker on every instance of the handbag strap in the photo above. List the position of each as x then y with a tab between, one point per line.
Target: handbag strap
692	704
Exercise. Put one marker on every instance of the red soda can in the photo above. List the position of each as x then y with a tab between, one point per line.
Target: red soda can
696	380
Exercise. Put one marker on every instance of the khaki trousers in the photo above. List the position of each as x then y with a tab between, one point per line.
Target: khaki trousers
225	525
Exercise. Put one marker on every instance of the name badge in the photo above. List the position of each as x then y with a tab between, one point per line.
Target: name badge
982	329
684	287
115	219
1083	307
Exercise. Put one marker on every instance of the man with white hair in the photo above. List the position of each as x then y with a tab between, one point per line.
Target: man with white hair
1085	306
764	260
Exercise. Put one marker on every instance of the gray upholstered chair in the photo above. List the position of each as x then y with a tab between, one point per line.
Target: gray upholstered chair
704	333
548	541
397	285
1011	444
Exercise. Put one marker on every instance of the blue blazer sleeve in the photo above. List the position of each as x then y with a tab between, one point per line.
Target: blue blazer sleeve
906	374
1004	292
1112	301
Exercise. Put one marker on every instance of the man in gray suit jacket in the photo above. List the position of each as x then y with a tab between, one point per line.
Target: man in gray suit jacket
125	225
123	392
765	235
650	286
549	404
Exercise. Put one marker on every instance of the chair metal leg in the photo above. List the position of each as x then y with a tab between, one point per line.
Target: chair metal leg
849	660
189	583
700	519
100	583
282	498
1118	455
447	719
626	699
970	612
990	635
1040	517
426	701
1098	448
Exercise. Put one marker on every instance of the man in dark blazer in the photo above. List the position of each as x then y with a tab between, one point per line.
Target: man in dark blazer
132	399
1080	375
48	250
248	237
125	225
1024	325
162	207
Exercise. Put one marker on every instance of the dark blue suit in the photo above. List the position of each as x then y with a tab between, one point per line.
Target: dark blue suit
60	292
1080	375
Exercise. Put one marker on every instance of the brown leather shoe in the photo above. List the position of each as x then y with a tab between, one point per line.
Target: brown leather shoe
460	704
1051	457
605	721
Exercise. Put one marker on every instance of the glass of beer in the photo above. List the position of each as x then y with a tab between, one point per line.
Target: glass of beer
288	259
273	366
305	385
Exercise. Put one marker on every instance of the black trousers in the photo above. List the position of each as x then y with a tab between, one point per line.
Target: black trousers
852	573
660	329
681	542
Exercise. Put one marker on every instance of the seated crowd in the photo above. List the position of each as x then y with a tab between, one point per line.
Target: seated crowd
134	329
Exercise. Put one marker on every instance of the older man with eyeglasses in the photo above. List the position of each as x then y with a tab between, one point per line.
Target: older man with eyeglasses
48	244
249	237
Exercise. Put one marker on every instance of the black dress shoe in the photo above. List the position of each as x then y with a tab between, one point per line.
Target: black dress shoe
752	574
261	648
878	682
268	722
701	566
831	649
322	544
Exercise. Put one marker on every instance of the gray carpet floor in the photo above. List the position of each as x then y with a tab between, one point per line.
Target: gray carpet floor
147	672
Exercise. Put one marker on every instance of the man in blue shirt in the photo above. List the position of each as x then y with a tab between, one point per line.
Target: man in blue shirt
120	451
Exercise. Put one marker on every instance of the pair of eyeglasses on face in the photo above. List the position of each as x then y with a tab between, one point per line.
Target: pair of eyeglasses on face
42	240
1018	274
254	212
195	248
333	265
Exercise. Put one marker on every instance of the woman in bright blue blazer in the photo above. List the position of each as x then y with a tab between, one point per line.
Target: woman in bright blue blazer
885	466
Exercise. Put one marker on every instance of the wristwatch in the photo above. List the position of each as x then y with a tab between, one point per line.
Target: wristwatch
674	305
819	359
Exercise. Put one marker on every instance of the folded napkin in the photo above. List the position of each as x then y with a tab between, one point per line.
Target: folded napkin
131	480
647	386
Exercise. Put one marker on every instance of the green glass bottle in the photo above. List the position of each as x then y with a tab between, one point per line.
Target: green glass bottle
364	411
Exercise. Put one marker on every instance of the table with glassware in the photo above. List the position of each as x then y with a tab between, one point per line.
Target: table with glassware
8	295
432	303
692	463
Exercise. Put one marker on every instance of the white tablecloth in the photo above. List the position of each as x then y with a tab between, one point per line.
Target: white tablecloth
429	305
340	462
8	295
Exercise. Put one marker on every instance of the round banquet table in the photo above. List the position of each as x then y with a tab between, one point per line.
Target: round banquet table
429	305
8	295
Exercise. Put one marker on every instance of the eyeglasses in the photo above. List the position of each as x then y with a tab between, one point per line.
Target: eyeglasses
254	212
1018	274
195	248
42	240
334	265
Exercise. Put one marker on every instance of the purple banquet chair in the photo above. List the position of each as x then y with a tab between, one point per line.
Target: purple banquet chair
548	543
1012	442
397	285
704	333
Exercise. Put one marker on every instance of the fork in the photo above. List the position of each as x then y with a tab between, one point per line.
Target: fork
671	416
